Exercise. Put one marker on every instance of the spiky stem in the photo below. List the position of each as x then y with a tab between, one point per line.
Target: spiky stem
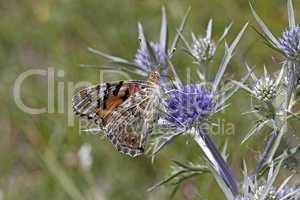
289	97
265	155
216	159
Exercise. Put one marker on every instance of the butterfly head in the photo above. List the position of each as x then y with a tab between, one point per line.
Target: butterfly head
154	76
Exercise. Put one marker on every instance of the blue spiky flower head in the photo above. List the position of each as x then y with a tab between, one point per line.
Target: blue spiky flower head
147	62
289	43
188	104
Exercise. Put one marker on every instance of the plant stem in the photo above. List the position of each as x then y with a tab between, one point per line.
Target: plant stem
265	154
284	124
214	156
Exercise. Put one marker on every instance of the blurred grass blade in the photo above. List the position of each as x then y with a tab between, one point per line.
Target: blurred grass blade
60	175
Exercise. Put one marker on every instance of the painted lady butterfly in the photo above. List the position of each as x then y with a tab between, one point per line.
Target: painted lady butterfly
124	110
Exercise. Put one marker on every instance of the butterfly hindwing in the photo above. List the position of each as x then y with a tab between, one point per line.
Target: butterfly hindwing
130	124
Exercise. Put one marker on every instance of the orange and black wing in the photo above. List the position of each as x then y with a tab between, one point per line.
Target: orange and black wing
97	102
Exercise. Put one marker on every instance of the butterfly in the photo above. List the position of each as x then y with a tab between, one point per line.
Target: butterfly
124	110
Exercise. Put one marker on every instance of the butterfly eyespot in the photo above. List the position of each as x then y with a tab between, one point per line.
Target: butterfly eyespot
133	140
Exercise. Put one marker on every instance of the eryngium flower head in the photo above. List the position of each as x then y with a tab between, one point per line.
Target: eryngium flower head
288	190
265	89
188	104
263	188
259	193
289	43
203	49
144	60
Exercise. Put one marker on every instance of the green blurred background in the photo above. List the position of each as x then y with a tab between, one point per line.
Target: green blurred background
39	156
